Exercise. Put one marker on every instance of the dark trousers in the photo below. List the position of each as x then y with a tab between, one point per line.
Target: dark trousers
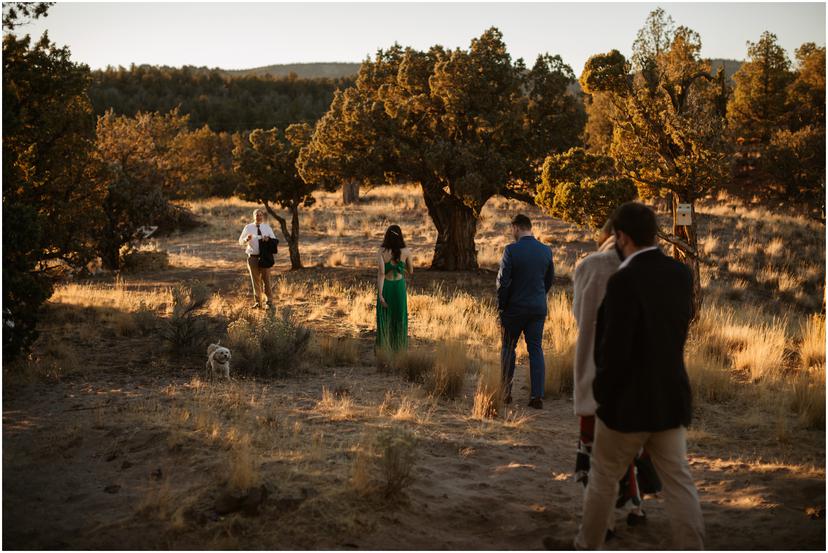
531	326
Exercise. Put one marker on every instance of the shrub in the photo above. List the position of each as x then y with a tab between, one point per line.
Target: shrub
144	260
185	330
414	364
449	371
267	345
145	319
338	350
397	448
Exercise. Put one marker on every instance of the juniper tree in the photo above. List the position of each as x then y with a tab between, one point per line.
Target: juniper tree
464	124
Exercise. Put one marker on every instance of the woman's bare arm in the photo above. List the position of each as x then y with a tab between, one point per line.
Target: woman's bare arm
380	276
409	263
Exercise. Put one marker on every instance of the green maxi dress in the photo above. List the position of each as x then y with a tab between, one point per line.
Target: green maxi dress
392	322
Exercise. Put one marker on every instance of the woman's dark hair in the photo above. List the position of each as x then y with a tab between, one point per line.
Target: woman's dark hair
394	241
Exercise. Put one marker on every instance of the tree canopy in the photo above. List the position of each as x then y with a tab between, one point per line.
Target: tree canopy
582	188
47	121
266	161
668	120
758	104
465	124
209	97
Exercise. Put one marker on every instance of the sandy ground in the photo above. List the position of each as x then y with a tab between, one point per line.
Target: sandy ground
106	458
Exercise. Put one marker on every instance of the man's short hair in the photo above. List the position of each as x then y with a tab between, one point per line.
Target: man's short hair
522	222
637	221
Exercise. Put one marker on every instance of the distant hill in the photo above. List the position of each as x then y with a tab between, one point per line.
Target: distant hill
730	66
302	70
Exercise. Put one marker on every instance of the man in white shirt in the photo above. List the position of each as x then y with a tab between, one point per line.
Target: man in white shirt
251	235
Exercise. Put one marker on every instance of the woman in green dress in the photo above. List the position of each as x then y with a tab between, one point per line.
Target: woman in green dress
392	304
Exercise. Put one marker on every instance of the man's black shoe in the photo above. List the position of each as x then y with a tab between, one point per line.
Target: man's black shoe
536	403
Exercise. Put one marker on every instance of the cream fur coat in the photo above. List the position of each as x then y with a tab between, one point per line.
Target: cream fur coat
591	276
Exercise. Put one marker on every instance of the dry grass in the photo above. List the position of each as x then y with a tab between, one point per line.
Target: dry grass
337	406
121	295
763	354
338	350
560	335
448	373
812	349
808	396
488	396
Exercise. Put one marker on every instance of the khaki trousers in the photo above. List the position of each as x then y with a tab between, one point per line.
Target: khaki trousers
611	454
260	278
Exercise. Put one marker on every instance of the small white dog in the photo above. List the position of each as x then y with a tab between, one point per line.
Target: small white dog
218	361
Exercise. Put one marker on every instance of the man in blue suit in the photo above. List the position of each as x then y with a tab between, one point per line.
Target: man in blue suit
525	277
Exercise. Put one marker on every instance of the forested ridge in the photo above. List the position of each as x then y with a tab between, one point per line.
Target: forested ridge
211	97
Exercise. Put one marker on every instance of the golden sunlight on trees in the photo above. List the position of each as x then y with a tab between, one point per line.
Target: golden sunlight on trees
582	188
669	120
266	160
464	124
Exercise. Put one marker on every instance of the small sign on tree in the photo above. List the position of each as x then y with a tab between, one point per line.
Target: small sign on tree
683	215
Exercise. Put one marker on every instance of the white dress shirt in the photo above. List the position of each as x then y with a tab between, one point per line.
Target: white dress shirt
629	258
253	245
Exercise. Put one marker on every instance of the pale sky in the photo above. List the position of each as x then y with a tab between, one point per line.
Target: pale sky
245	35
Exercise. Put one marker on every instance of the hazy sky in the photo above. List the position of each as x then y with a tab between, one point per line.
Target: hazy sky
235	36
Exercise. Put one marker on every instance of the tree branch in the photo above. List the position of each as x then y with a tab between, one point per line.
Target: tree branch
282	221
679	243
520	196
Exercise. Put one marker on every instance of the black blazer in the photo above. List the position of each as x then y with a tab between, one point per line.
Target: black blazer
641	384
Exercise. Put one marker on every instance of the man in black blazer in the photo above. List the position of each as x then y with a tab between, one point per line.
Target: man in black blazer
641	384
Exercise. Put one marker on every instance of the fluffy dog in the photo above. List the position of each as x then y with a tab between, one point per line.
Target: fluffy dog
218	361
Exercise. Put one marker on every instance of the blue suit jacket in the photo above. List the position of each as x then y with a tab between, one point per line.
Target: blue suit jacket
525	277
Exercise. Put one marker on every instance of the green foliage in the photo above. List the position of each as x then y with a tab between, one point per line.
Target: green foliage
268	345
211	97
606	73
758	104
49	204
186	330
132	156
668	121
465	124
266	161
348	144
582	188
806	94
599	127
16	14
795	163
201	164
24	288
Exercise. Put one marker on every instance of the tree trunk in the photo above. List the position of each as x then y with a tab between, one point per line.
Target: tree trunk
687	252
292	236
350	192
109	247
456	227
